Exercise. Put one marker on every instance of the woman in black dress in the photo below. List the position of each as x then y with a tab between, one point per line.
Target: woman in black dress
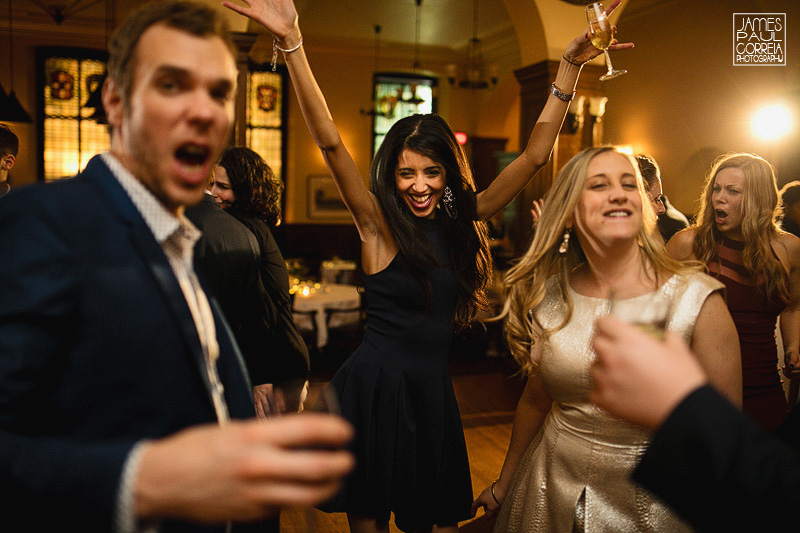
426	262
246	187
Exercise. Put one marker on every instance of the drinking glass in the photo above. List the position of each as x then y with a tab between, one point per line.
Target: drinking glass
325	402
650	313
602	34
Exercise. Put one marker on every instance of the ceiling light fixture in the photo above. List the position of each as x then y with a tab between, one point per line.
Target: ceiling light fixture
385	106
95	86
414	99
59	12
474	71
10	108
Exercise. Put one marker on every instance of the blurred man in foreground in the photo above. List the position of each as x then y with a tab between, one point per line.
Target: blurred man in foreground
122	393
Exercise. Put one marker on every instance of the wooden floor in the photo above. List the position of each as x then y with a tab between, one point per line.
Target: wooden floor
487	393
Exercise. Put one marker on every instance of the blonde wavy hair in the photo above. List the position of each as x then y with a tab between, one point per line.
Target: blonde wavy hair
760	210
525	281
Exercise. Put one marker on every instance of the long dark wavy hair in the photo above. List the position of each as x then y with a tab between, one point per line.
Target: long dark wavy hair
466	236
257	189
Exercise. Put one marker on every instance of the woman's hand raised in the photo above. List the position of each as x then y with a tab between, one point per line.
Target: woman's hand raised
581	49
278	16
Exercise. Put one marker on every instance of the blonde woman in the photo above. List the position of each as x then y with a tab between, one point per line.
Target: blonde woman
568	463
737	238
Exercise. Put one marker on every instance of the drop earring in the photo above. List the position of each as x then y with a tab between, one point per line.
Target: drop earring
449	203
564	243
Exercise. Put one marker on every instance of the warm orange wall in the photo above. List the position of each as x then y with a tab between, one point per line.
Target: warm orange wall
683	101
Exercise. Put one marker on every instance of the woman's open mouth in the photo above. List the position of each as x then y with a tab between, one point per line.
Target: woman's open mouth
420	202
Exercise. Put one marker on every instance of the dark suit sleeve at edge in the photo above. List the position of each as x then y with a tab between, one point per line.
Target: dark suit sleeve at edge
44	476
719	470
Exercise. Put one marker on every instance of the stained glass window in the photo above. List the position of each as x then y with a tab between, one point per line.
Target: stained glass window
266	114
70	135
398	96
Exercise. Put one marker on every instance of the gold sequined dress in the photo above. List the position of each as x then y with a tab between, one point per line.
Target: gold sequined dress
575	476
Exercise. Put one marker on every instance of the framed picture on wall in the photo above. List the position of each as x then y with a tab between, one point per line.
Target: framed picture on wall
324	201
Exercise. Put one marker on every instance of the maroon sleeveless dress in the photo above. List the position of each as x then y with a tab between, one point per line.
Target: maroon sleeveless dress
755	316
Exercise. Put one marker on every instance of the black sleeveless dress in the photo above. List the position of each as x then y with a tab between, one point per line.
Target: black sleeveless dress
409	446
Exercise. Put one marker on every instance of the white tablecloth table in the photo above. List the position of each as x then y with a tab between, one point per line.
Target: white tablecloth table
338	271
329	297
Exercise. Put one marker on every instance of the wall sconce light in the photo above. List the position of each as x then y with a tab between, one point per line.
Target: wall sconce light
772	122
597	107
574	114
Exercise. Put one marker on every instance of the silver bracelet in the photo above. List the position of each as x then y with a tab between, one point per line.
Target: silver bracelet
493	496
290	50
276	48
558	93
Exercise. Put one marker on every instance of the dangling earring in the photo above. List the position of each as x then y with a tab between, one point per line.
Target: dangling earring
564	243
449	203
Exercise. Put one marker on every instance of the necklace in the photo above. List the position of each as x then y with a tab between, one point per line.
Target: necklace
8	189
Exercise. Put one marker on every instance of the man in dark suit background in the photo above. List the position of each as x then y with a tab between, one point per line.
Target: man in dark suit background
120	385
228	258
710	462
672	221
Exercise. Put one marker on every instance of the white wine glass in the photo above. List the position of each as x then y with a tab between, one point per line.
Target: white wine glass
326	402
602	35
650	313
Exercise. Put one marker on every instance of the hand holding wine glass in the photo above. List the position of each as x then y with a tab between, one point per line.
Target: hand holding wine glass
602	36
581	49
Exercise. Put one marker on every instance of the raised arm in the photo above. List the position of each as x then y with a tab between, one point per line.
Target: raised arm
280	18
540	144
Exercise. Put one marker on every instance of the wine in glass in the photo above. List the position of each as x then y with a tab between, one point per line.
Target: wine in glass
602	34
326	402
650	312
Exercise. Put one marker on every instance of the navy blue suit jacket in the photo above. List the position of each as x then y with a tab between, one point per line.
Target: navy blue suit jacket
720	470
98	350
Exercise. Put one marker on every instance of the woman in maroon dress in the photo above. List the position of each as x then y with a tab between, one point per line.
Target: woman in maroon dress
736	236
